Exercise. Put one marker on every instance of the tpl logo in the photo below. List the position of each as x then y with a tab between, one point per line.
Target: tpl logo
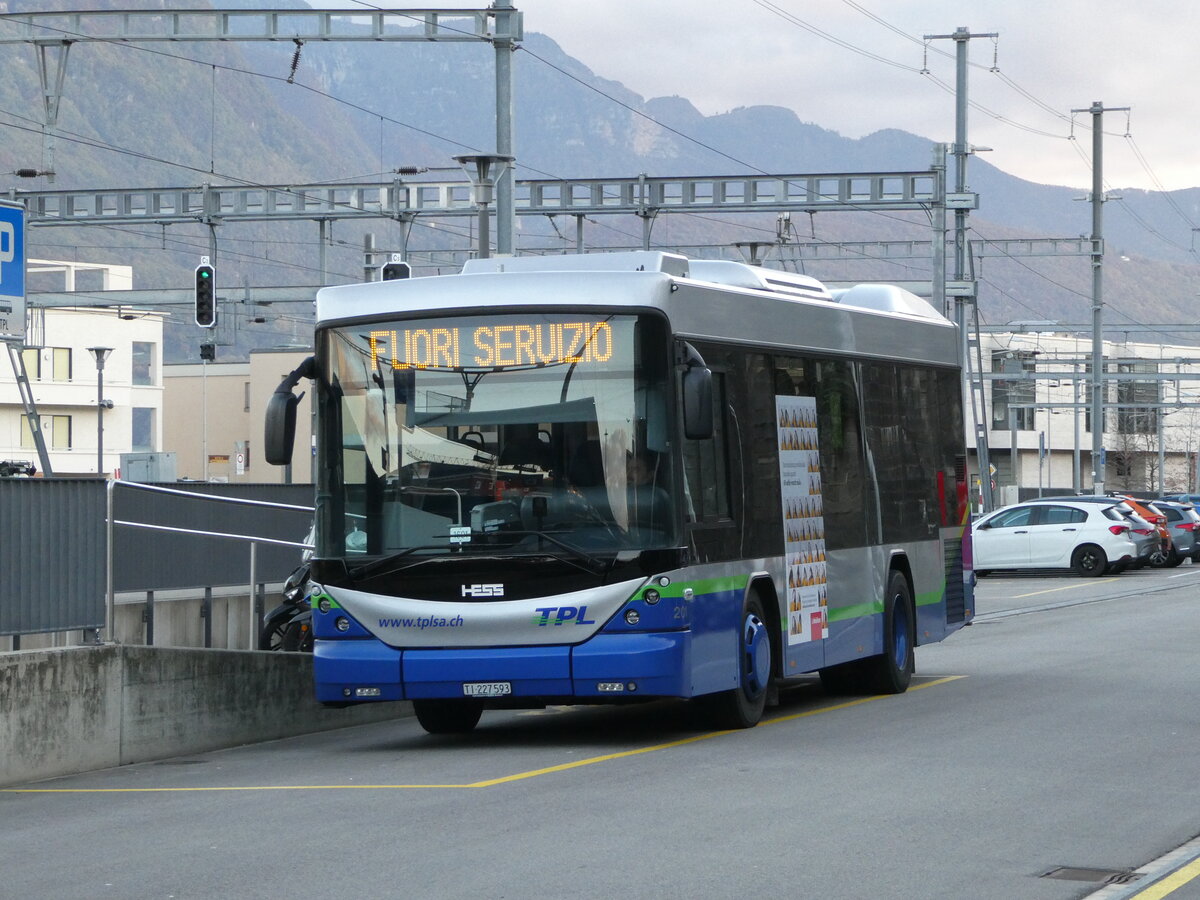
483	590
560	615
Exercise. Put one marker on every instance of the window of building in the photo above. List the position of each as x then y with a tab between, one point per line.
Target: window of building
61	357
246	397
32	358
1016	396
60	438
143	362
1137	401
56	431
143	428
26	434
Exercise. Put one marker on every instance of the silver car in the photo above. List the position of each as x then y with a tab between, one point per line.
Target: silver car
1184	524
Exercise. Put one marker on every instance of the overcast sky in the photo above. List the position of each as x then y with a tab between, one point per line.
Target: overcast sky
1052	56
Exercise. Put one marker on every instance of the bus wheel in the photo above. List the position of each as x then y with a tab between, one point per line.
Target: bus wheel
743	706
447	716
891	671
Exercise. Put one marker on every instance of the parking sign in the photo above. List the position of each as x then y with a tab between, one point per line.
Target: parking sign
12	271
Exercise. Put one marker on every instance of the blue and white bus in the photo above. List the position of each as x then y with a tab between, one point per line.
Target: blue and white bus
628	476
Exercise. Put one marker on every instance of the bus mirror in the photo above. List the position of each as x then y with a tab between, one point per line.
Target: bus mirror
281	428
697	403
280	433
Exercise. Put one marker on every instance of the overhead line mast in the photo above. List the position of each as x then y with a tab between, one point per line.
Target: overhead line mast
962	202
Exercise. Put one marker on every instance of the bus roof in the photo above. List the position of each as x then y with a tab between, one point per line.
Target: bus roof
698	295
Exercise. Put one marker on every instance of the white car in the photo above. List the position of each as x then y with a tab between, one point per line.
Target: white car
1089	538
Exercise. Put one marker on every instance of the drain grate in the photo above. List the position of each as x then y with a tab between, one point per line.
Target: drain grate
1095	876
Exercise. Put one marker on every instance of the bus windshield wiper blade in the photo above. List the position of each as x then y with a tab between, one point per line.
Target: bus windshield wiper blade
588	562
376	566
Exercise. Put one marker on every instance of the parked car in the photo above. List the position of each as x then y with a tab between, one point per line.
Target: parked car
1155	517
1086	537
1193	499
1144	535
1184	524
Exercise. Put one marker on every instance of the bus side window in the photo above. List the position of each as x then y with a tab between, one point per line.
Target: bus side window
706	466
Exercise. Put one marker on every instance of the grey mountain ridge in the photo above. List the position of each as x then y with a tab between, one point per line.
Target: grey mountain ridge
226	126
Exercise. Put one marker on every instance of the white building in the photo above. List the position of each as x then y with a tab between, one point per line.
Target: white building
1037	419
63	380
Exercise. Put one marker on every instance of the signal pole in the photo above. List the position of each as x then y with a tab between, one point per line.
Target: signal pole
1098	109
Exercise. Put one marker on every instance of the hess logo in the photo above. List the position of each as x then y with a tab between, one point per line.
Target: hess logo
483	590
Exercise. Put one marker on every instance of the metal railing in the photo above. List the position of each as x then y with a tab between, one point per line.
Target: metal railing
253	540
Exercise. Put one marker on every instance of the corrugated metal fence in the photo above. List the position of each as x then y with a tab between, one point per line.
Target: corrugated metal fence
52	545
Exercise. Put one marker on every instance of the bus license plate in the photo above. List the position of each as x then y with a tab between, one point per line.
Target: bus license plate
487	688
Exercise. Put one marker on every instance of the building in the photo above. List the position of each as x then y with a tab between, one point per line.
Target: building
1039	416
63	379
215	413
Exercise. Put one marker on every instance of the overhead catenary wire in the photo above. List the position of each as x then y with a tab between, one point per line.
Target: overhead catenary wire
767	5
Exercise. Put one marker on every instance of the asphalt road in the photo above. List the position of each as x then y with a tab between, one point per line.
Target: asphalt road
1061	730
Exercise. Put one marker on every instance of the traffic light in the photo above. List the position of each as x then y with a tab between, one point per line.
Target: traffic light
206	298
393	270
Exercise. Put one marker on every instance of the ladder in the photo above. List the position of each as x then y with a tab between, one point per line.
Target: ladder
31	413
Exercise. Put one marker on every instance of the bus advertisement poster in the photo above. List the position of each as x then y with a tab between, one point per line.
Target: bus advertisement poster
803	518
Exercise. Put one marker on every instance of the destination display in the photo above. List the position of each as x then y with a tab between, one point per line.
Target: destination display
493	345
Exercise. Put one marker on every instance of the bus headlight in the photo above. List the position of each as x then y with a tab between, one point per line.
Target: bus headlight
341	623
632	617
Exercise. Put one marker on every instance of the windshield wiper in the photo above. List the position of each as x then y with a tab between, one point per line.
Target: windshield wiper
590	563
377	566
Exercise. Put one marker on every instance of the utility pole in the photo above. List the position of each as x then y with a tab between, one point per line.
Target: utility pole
505	47
1097	109
963	202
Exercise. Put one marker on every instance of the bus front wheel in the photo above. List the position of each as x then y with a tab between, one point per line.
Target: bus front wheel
743	706
447	716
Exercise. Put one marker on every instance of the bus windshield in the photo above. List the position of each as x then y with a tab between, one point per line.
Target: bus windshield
514	434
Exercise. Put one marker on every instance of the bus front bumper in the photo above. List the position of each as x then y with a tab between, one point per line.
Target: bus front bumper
655	664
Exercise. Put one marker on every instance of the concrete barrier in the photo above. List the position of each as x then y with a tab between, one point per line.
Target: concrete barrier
75	709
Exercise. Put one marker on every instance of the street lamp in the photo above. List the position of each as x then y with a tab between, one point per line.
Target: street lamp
484	187
100	354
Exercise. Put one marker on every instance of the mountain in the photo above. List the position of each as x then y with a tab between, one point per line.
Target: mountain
143	116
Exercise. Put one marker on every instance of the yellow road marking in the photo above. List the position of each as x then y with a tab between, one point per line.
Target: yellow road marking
1160	889
1069	587
506	779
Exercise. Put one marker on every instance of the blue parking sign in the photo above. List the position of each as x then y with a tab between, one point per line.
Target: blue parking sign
12	272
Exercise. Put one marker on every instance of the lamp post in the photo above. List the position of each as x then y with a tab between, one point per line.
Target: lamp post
484	187
100	354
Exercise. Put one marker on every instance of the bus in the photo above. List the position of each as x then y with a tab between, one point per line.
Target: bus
626	476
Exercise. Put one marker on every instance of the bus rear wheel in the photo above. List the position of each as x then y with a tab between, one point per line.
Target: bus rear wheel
447	716
743	706
891	671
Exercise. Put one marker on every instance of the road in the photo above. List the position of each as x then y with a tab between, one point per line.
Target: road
1061	730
